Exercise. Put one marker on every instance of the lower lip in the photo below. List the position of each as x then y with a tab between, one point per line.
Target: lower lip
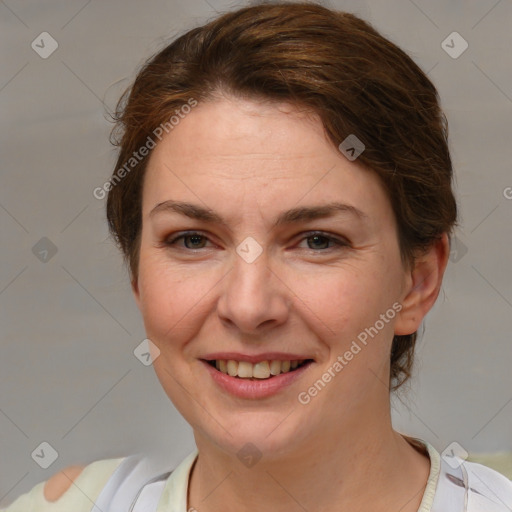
245	388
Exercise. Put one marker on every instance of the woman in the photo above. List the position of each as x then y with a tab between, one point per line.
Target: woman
283	200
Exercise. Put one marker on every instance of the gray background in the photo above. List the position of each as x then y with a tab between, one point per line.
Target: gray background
69	324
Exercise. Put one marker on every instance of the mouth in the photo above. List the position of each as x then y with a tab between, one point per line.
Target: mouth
261	370
255	377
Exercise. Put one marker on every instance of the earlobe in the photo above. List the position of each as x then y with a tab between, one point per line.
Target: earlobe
423	286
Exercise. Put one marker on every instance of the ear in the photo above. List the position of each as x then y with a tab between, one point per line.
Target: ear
423	283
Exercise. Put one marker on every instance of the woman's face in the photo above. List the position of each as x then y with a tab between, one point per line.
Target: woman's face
248	288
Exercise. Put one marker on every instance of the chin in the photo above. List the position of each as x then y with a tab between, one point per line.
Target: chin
268	434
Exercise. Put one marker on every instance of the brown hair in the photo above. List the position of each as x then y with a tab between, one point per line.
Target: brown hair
330	63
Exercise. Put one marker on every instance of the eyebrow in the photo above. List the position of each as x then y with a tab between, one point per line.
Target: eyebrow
299	214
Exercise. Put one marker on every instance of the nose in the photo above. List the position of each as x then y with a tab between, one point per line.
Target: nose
254	297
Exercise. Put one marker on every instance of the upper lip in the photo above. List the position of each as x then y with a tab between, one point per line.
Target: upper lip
255	358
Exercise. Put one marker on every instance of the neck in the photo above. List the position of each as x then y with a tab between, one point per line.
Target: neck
367	466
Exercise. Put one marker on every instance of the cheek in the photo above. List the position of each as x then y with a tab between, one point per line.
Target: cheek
173	298
161	294
351	301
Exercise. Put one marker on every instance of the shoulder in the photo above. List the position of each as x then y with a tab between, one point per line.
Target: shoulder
103	485
60	482
74	488
488	488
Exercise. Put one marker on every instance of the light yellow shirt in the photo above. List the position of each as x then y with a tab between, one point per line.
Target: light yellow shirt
79	497
82	493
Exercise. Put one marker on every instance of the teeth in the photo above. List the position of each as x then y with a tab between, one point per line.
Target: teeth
232	368
244	369
260	370
275	367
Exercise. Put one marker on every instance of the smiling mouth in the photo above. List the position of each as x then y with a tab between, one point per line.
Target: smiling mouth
258	371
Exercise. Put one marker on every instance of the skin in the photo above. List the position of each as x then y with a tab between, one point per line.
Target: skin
249	162
59	483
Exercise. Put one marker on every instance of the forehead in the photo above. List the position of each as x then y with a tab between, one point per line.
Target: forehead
229	127
232	151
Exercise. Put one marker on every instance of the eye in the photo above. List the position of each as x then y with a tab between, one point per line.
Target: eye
195	239
320	240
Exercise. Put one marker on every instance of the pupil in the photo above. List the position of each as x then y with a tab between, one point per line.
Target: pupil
317	237
195	238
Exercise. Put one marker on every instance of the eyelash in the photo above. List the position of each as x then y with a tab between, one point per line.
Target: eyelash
337	242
